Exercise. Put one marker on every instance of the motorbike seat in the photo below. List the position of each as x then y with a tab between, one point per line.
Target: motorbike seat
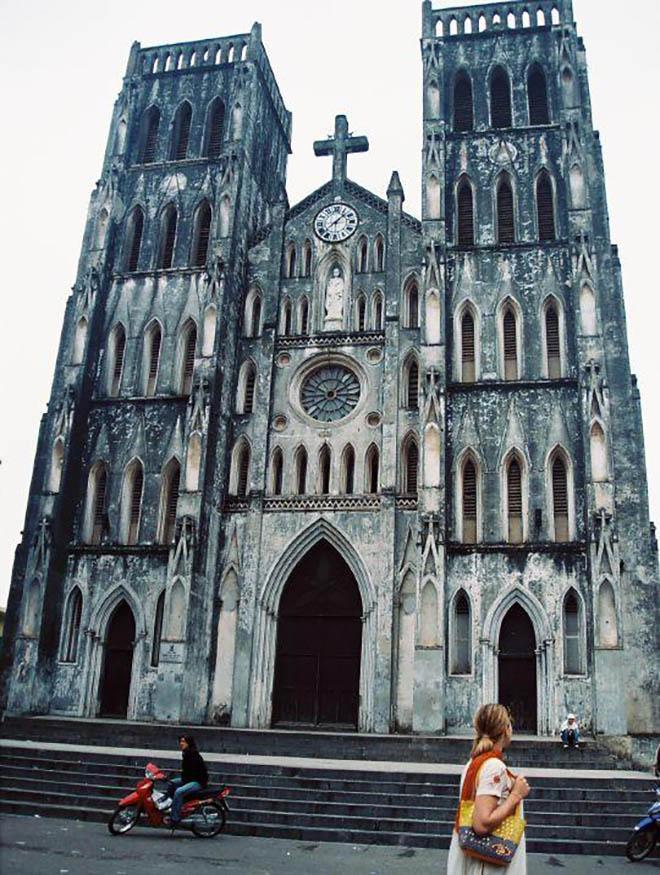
210	791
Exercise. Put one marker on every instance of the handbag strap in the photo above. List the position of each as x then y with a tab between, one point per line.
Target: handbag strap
469	788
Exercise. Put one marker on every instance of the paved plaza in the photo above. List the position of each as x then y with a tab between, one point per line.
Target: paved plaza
38	846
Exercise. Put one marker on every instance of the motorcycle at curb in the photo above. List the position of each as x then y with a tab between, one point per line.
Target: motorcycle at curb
204	812
645	834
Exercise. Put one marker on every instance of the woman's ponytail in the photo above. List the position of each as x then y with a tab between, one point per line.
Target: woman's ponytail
490	724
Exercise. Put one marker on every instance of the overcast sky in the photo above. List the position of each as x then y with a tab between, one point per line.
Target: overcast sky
62	65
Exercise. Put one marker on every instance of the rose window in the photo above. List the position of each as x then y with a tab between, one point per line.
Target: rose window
330	393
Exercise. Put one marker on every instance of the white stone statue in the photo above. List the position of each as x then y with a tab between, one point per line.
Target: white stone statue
334	300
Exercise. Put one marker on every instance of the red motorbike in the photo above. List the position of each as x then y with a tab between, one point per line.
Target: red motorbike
204	811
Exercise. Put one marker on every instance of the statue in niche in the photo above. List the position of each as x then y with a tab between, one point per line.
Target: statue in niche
334	300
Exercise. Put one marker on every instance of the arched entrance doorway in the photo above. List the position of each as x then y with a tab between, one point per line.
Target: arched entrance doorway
517	668
117	663
319	640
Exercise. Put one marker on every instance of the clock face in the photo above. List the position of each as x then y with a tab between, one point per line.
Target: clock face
336	222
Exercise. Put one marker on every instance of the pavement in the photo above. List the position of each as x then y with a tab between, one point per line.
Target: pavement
45	846
151	755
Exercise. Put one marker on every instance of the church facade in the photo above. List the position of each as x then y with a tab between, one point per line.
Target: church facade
329	464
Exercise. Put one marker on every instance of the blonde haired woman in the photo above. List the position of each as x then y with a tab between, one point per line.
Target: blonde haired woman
497	792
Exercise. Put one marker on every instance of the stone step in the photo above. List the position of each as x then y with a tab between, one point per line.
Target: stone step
326	745
50	791
411	782
437	799
545	845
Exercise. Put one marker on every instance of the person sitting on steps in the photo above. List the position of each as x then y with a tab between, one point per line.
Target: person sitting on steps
194	776
570	732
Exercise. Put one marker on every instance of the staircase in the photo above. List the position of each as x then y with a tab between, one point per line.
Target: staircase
567	813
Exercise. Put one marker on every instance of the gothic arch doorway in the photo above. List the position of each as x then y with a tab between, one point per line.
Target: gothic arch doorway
517	668
319	642
117	668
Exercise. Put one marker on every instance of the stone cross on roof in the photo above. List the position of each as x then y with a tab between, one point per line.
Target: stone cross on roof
339	146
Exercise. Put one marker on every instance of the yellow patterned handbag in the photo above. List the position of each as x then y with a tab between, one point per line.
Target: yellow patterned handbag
499	846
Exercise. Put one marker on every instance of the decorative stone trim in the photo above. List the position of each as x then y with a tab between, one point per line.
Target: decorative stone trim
405	502
322	502
236	504
339	338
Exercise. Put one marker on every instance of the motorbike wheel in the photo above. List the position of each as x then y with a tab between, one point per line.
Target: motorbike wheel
640	844
123	819
208	820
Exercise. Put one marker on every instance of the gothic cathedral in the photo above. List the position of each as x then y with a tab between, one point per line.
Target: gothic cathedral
332	465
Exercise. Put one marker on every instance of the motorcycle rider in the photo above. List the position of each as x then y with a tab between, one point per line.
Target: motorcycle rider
194	776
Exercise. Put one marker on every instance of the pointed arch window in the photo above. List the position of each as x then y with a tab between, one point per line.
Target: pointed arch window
468	349
241	469
96	521
277	466
158	630
152	344
545	207
304	316
500	99
463	103
411	387
465	206
300	466
362	255
181	132
506	229
132	502
348	471
286	317
215	122
411	300
410	466
187	346
56	465
325	460
361	313
537	96
249	385
462	637
193	462
572	624
168	224
608	634
210	321
201	235
560	498
169	499
79	341
371	465
510	344
469	501
116	359
598	453
253	314
514	502
149	135
291	260
307	259
73	616
552	342
378	311
379	254
134	229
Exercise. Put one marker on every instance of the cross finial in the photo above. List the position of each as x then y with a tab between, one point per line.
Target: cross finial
339	146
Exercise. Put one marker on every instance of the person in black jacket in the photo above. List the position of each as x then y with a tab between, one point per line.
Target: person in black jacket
194	776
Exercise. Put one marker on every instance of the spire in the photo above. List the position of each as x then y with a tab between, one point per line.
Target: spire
395	189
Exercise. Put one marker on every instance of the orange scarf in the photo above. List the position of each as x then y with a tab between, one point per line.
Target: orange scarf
468	791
